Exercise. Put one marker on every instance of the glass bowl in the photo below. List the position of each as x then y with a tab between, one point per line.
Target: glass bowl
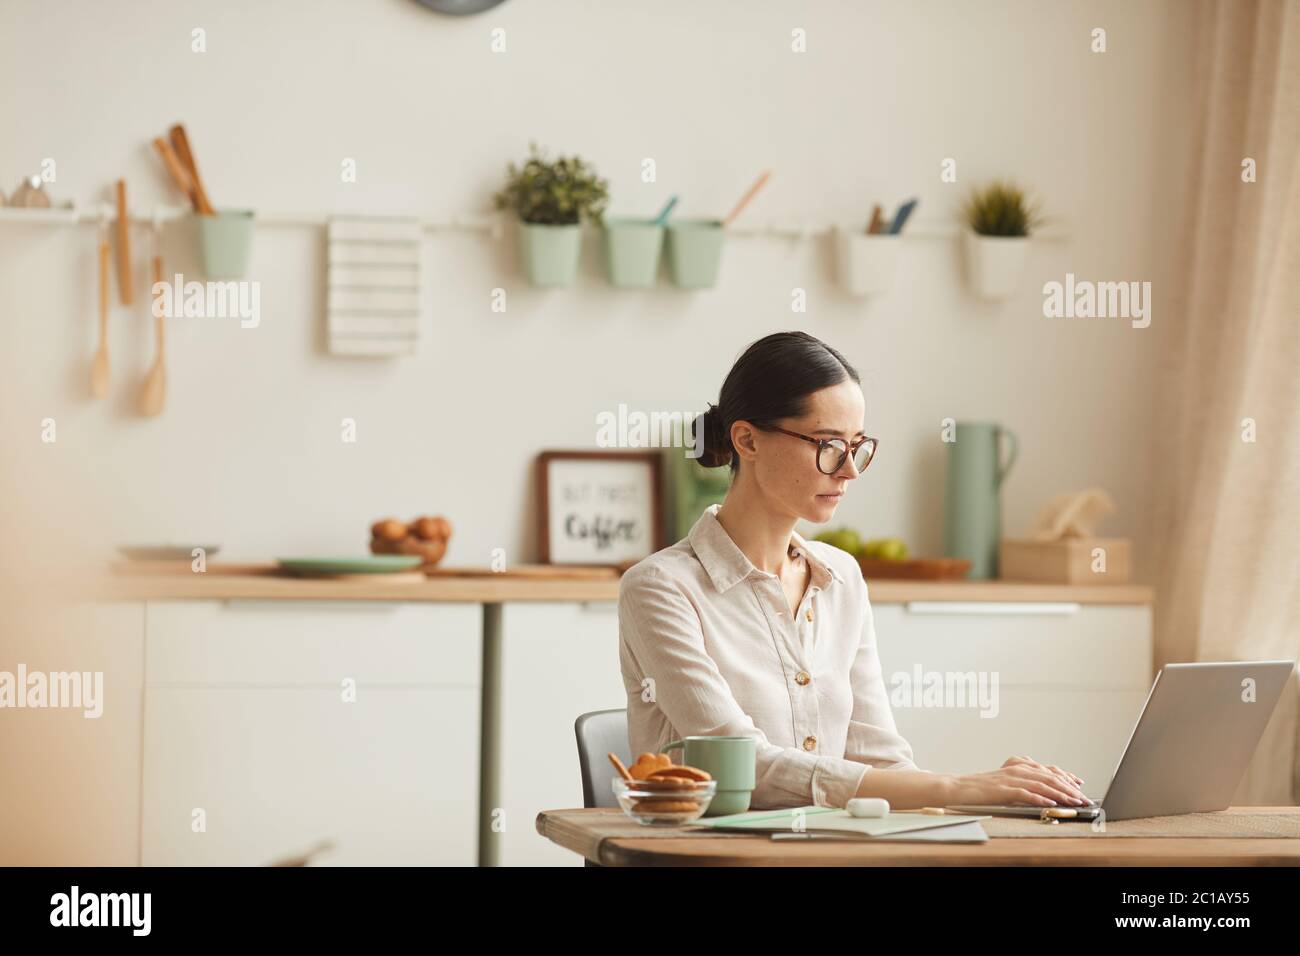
664	803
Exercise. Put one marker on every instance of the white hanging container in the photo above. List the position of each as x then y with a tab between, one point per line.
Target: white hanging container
994	263
866	263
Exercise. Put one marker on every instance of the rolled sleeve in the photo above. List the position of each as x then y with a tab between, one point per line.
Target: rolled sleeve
873	737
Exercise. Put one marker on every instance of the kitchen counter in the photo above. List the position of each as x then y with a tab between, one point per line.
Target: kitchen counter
513	658
255	583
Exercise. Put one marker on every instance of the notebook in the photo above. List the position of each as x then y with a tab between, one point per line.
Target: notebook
833	820
960	833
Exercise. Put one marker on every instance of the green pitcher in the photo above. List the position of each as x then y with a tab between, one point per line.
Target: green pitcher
972	509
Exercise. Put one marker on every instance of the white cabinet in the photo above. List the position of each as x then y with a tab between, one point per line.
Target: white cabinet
71	788
252	728
557	661
1068	682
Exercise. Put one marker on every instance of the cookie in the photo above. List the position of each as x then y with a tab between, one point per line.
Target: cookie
656	784
689	773
647	763
666	805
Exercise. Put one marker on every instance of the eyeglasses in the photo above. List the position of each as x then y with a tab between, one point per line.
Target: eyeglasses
832	452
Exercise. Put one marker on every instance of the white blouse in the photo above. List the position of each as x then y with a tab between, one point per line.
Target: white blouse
708	647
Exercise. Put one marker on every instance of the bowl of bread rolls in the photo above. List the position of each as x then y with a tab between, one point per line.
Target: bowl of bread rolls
425	536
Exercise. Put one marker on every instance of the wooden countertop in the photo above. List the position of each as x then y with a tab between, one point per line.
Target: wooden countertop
218	584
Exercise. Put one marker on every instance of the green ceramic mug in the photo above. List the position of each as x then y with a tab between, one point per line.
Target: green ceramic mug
730	761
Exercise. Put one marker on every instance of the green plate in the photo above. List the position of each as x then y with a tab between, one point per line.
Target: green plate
367	564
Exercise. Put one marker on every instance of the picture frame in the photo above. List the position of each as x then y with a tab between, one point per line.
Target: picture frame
599	508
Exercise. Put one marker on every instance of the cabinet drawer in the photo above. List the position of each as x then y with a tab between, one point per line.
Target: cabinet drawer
1088	646
301	643
390	780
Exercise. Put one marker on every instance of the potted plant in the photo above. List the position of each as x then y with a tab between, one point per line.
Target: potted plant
552	198
999	220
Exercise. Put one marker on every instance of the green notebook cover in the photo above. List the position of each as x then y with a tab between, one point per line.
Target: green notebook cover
832	819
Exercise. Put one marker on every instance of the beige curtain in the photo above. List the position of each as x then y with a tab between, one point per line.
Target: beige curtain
1228	520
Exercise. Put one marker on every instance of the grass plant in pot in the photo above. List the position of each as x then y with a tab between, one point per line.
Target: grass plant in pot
999	219
552	199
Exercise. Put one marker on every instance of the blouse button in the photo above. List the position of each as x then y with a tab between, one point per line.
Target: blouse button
802	678
808	614
810	743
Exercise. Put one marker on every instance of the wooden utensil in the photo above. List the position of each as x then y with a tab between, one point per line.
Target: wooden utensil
745	199
618	765
877	220
177	170
124	286
181	143
99	367
154	390
541	571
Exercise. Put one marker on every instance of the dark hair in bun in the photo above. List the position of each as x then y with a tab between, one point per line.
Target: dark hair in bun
771	380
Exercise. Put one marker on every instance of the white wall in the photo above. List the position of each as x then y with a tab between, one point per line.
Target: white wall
248	453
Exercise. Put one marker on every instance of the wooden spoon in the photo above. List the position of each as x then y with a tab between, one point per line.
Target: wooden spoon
99	367
618	765
154	389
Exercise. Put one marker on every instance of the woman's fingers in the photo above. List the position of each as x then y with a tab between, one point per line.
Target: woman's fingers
1021	795
1066	778
1048	783
1078	781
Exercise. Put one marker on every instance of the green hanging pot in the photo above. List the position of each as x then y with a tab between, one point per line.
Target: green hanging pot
694	252
549	253
632	252
224	242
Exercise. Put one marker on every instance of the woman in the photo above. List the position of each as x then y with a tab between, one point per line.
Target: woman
745	628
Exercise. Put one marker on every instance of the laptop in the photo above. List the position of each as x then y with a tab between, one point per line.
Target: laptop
1196	733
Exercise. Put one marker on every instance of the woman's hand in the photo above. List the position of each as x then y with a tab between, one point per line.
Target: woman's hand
1020	780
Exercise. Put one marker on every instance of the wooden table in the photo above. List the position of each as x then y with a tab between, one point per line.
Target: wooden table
608	838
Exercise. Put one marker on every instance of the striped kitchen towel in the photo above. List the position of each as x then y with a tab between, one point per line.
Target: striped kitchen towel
373	300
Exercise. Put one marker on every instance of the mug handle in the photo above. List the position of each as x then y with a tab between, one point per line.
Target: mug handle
1013	453
672	745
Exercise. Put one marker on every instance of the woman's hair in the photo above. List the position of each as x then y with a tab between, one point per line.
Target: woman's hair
771	380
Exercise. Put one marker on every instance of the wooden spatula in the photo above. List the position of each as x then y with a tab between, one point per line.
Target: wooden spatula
181	143
176	169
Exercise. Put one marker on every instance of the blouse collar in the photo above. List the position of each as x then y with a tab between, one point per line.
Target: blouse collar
727	565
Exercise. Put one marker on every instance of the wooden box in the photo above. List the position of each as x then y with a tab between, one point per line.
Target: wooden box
1064	561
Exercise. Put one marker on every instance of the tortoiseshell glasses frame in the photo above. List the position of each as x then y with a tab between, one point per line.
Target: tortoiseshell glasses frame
840	446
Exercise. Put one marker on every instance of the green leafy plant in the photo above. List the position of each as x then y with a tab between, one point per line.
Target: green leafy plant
1001	209
555	192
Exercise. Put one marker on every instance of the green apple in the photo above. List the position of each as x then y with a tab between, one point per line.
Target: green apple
846	539
885	549
893	549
